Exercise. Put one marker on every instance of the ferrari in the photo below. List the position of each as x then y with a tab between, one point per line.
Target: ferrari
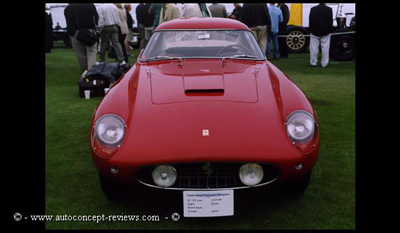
203	112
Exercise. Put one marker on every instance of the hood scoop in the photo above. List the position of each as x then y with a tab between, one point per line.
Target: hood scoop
203	85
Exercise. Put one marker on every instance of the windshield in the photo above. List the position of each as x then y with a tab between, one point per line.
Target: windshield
178	44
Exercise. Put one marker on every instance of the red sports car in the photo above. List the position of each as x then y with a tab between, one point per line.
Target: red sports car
203	111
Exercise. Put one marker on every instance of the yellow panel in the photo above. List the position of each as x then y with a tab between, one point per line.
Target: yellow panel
296	14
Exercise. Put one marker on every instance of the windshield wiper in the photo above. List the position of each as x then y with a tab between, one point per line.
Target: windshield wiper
162	58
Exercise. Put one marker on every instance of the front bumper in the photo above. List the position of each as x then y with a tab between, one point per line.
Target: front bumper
130	172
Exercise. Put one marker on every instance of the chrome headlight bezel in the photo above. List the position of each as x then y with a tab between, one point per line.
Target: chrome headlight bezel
306	121
120	127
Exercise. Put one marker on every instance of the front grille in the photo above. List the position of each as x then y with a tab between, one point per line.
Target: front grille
220	176
208	175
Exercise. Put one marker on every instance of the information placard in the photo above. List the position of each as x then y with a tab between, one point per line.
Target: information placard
208	203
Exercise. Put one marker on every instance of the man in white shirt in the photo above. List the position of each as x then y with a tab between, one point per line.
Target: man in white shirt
109	21
190	10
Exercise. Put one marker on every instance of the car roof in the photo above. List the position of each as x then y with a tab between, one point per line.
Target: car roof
202	23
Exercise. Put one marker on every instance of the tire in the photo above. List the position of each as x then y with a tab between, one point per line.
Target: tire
297	186
342	47
296	40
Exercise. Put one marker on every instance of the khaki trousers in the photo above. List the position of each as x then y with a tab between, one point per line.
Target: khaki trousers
260	32
86	55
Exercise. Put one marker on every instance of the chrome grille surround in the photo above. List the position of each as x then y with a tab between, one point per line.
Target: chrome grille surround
207	176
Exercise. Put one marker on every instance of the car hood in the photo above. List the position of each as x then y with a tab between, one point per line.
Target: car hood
166	125
194	80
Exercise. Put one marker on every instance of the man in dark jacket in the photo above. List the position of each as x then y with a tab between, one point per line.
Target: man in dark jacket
130	22
148	24
256	17
320	23
236	12
155	8
49	32
82	16
141	18
70	25
283	51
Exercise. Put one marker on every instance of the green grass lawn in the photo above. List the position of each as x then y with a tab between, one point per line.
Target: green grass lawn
72	185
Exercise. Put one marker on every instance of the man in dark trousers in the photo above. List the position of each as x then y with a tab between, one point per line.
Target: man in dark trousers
321	21
256	17
283	50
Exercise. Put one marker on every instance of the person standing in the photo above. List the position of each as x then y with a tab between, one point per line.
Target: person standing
148	24
141	18
155	8
83	16
283	50
276	18
109	21
256	17
48	30
169	12
122	29
70	25
130	23
145	23
190	10
320	24
236	12
218	10
204	10
57	27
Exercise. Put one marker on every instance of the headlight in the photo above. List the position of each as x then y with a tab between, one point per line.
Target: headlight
300	126
164	175
110	129
251	174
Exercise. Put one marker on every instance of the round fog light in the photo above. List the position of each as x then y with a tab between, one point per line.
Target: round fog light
164	175
251	174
